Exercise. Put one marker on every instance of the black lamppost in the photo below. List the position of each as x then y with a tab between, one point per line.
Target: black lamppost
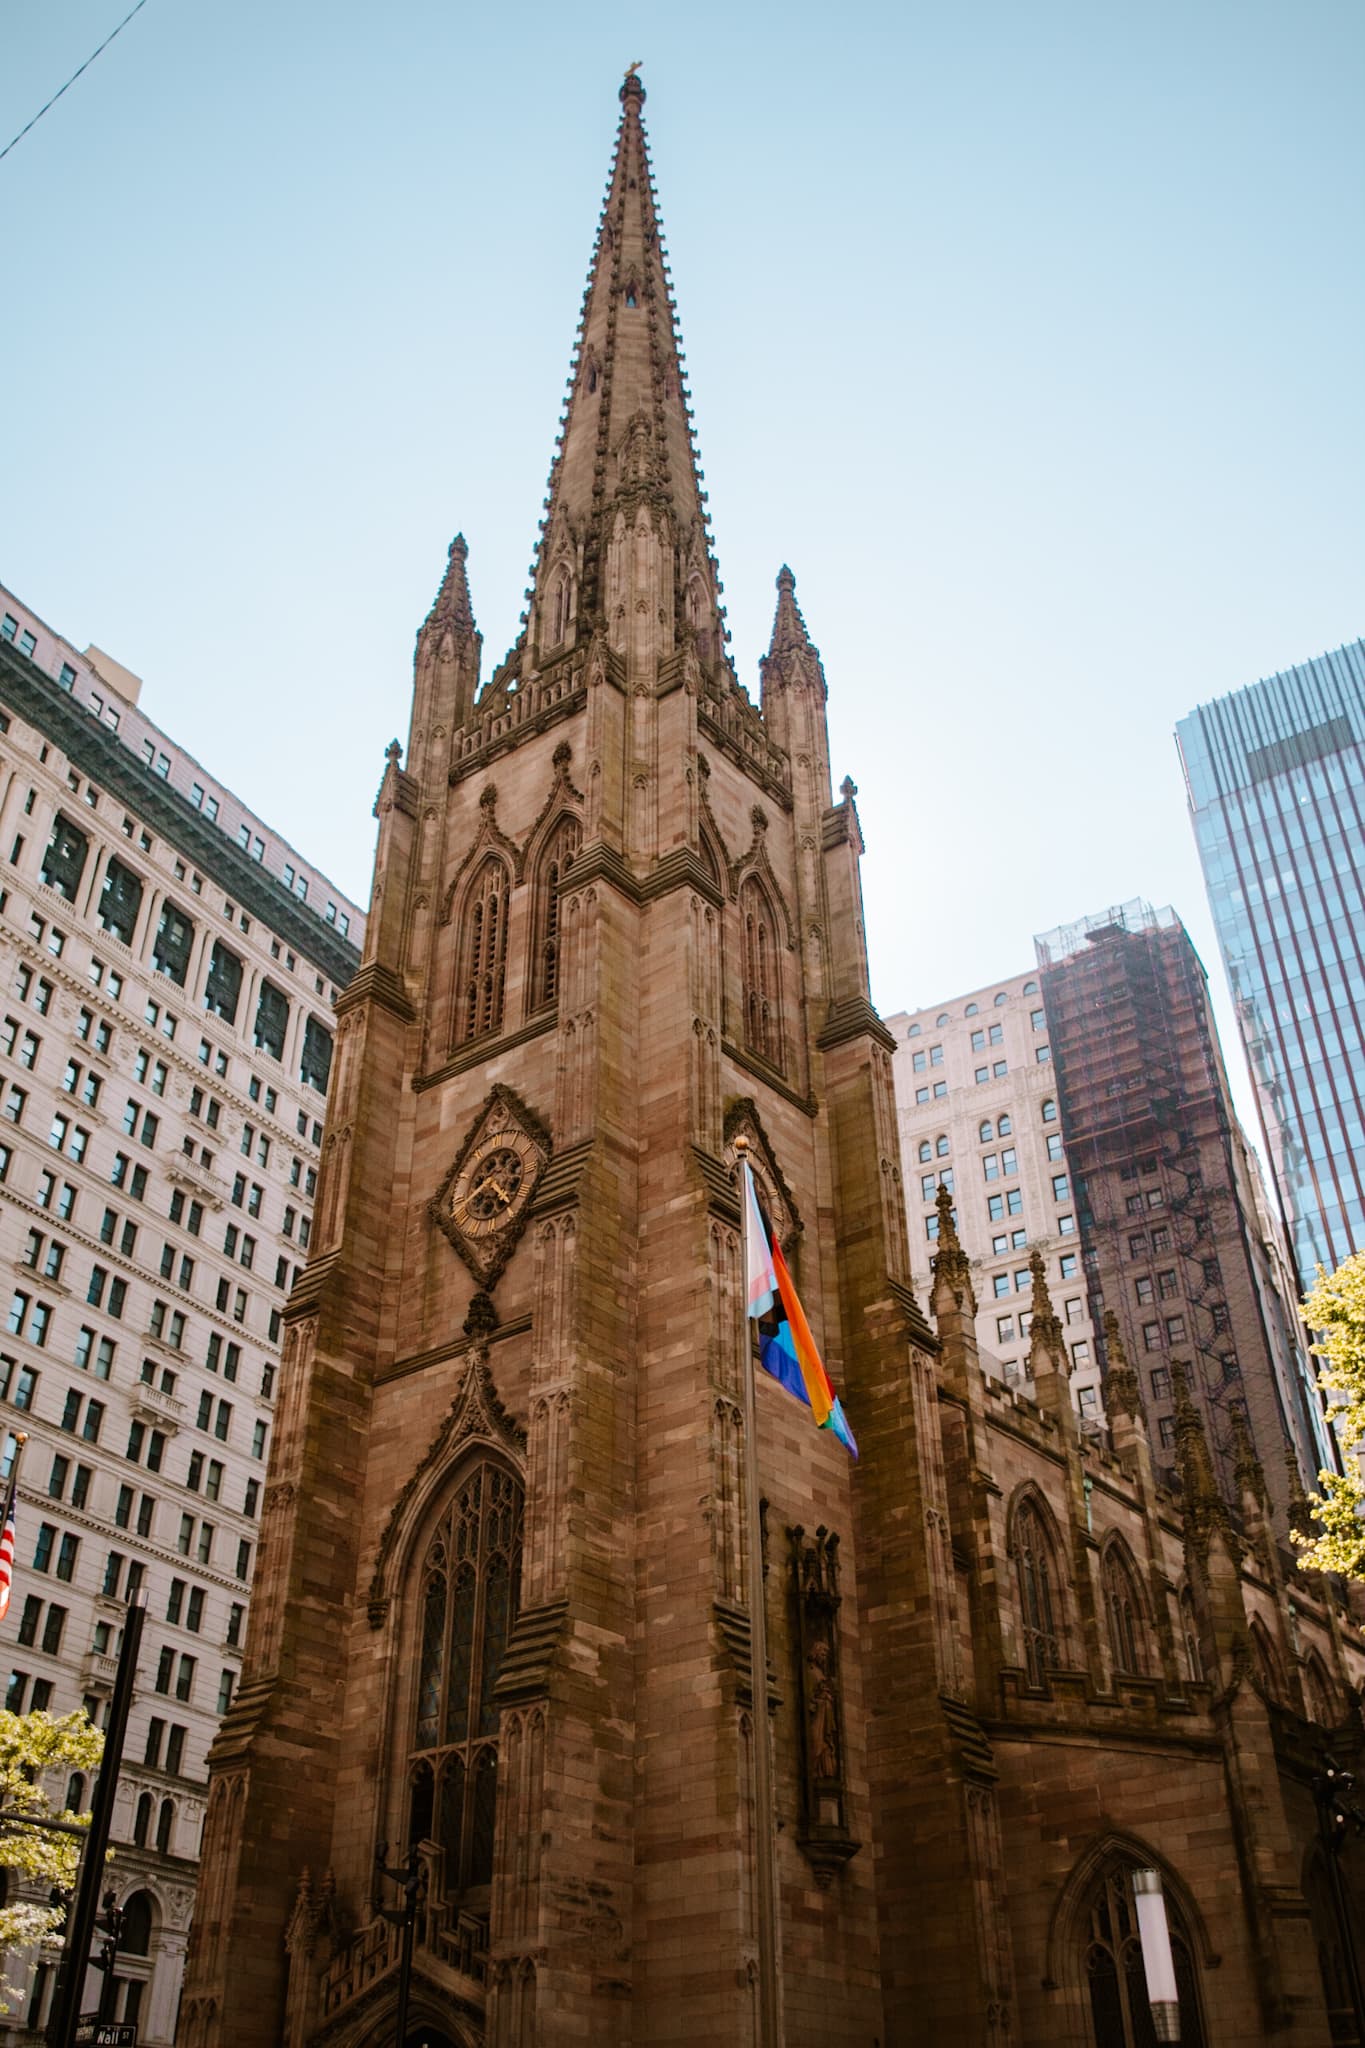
411	1881
112	1923
1338	1816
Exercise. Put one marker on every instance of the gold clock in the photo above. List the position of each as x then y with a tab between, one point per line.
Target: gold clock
483	1203
493	1184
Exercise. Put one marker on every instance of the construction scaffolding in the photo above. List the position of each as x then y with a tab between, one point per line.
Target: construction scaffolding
1151	1141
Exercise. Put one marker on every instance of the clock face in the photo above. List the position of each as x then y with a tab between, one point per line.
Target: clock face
494	1184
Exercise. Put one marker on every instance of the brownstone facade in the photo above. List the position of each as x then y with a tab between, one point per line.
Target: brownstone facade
503	1607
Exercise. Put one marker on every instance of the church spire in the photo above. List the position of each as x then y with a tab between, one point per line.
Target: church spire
626	433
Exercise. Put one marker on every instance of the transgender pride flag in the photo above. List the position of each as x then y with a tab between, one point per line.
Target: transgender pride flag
760	1275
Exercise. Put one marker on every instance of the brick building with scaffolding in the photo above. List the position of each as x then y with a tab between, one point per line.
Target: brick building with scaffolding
1176	1239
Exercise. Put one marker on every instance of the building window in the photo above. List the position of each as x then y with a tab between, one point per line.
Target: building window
467	1601
1061	1188
172	945
483	951
555	858
762	979
315	1069
1049	1112
1035	1569
224	987
272	1020
120	901
64	857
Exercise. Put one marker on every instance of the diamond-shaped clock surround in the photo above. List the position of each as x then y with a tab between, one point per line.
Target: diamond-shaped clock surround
504	1115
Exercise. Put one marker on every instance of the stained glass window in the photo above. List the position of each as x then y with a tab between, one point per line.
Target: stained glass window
470	1578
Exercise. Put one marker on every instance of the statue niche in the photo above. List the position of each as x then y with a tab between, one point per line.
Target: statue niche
824	1838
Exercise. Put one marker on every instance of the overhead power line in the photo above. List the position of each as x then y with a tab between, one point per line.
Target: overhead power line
72	80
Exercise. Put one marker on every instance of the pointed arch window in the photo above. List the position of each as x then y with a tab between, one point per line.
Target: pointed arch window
1189	1630
556	855
1120	2012
1036	1571
558	607
1318	1692
762	996
698	614
470	1579
483	951
1123	1613
1268	1663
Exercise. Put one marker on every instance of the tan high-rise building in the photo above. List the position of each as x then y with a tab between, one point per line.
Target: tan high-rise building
504	1605
168	966
976	1099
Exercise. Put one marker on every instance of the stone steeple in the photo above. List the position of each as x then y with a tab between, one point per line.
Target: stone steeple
445	669
625	438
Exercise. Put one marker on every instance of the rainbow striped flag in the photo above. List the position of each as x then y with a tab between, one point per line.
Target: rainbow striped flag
792	1356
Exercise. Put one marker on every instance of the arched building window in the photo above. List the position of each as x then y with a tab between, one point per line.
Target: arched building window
1319	1693
1120	2013
1123	1612
558	851
1036	1573
139	1920
1189	1633
558	607
142	1820
1269	1667
697	614
483	951
762	1003
165	1825
470	1577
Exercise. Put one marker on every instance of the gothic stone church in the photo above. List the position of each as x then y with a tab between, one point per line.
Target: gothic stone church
503	1608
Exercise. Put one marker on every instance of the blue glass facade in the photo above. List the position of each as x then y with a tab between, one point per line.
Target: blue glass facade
1275	776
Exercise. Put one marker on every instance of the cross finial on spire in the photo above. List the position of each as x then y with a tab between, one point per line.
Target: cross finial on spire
452	606
790	634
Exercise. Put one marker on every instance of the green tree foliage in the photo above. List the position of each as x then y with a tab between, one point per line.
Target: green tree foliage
1336	1310
34	1747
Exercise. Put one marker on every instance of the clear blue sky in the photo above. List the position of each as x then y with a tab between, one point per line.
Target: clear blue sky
1030	337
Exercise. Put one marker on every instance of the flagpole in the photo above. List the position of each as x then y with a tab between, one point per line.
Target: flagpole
767	1897
18	1437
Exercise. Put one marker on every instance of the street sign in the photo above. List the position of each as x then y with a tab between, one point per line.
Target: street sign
93	2032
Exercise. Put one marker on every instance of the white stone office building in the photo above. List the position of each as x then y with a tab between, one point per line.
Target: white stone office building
168	966
977	1105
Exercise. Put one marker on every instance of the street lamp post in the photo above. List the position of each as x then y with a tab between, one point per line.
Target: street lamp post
112	1923
410	1880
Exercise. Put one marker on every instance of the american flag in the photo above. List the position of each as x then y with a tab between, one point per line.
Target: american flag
7	1553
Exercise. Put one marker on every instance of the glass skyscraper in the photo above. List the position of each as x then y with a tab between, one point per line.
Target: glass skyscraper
1276	781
